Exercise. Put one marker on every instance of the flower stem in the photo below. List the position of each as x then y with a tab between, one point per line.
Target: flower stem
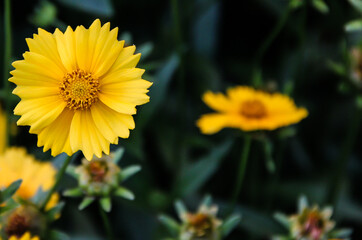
241	171
106	223
57	181
7	60
266	44
336	182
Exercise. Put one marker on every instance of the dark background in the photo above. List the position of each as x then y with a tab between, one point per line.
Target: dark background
211	45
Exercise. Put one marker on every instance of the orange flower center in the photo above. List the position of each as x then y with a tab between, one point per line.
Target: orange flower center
98	170
17	225
200	224
79	90
253	109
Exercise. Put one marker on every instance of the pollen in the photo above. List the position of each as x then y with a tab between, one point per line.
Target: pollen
253	109
79	90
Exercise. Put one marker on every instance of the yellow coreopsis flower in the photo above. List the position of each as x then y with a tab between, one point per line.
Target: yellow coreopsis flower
248	109
16	164
79	89
3	125
26	236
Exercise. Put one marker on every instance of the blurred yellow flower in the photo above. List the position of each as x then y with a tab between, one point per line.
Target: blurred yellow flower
3	125
79	89
248	109
16	164
26	236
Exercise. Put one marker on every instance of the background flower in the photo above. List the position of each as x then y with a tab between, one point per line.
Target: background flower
249	110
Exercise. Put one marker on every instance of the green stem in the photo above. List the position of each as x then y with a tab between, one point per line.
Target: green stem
266	44
336	182
241	171
57	181
106	223
7	61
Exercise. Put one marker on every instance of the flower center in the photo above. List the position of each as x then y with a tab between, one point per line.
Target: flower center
98	170
17	225
79	90
199	224
253	109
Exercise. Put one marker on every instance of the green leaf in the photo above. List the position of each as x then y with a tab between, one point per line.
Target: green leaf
282	219
205	28
86	202
196	174
355	25
44	15
357	4
207	201
9	191
321	6
118	154
302	203
10	205
71	170
158	90
172	226
295	4
74	192
54	212
129	172
106	204
57	235
124	193
180	208
268	152
229	224
145	49
98	7
341	233
337	68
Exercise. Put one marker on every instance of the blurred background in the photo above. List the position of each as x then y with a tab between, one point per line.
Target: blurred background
190	46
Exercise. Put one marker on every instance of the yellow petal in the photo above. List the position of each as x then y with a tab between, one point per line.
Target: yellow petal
81	47
122	75
66	48
56	135
214	122
111	123
115	104
25	78
85	136
27	92
39	113
128	92
126	58
44	43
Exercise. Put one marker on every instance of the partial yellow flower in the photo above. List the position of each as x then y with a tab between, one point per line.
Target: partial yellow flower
26	236
248	109
16	164
79	89
3	125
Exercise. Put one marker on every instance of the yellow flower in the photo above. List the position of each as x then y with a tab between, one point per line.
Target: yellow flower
26	236
79	89
248	109
3	138
16	164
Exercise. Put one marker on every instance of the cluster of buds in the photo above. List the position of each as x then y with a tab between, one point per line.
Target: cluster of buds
310	223
100	179
201	225
23	218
